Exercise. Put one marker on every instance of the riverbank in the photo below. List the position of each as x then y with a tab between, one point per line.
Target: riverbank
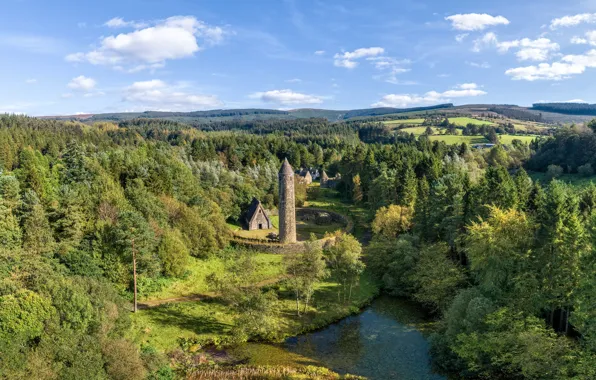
387	340
165	326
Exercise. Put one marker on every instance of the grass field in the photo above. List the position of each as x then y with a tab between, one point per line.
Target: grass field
463	121
162	326
458	139
194	282
417	131
508	139
572	179
404	121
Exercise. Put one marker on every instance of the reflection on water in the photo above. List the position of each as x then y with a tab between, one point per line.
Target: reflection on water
383	342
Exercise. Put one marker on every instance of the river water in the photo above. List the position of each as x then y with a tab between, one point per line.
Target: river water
385	341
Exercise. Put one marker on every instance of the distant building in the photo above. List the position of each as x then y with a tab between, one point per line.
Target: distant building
256	217
305	176
483	146
329	183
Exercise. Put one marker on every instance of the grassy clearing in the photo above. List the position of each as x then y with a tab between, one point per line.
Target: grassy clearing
195	281
458	139
163	326
417	131
328	199
463	121
508	139
572	179
404	122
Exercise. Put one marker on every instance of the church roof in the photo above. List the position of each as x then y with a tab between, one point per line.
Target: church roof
286	168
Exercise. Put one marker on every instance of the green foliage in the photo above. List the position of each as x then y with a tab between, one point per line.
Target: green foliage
173	253
304	270
539	353
344	257
436	278
23	315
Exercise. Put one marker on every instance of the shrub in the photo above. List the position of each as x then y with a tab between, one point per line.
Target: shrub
585	170
554	171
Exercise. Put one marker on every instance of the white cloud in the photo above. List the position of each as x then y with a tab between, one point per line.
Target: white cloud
347	59
539	49
158	95
82	83
561	101
590	39
486	40
174	38
533	50
545	71
293	80
431	97
578	40
481	65
286	97
587	59
320	52
118	22
567	21
31	81
461	37
390	68
67	95
475	21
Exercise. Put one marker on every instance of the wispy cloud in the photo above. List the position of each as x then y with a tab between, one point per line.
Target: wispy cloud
432	97
287	97
32	43
349	59
475	21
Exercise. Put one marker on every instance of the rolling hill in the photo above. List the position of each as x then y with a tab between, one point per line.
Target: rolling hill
554	113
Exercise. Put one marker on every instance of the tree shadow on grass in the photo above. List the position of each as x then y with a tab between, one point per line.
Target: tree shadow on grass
183	317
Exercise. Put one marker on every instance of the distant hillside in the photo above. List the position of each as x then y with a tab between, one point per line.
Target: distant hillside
249	114
567	108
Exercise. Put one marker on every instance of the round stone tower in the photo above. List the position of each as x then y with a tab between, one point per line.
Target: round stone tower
287	204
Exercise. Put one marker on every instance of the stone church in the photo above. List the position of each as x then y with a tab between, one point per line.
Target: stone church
256	217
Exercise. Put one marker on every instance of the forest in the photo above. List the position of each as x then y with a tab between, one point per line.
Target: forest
505	265
567	108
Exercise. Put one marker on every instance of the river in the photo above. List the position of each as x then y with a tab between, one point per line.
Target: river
385	341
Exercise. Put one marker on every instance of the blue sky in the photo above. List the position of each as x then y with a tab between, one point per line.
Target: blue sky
65	57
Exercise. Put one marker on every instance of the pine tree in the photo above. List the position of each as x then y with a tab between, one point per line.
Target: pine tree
409	189
37	234
357	194
523	184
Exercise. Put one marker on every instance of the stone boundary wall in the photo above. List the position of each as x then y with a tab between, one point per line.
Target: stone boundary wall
278	248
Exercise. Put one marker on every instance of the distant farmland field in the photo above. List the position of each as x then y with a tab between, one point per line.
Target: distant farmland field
463	121
404	121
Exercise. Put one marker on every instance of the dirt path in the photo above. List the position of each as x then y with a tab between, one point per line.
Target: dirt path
199	297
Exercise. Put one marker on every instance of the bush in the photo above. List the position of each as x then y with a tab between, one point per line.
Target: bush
585	170
554	171
173	253
122	360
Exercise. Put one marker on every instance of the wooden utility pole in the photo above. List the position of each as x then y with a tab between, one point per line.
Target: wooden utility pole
134	274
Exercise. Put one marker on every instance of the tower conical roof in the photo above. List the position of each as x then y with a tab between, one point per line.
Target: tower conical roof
286	168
